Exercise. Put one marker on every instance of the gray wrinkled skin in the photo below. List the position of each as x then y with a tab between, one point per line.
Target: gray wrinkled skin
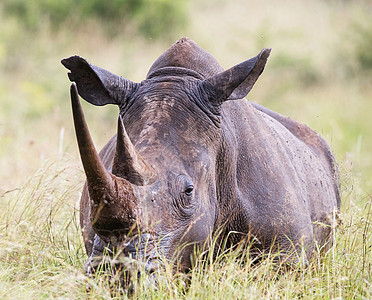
211	160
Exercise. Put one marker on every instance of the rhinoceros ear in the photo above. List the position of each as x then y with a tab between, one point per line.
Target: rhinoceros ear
96	85
236	82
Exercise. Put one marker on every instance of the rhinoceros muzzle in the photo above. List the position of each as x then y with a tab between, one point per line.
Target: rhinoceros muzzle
127	257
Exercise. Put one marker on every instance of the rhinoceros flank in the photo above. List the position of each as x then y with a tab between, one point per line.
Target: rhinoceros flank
192	157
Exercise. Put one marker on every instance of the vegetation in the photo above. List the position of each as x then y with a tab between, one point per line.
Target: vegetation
151	17
319	73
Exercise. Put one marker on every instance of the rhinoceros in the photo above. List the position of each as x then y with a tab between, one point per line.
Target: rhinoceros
193	158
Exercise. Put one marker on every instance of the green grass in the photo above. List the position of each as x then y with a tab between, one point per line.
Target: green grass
318	73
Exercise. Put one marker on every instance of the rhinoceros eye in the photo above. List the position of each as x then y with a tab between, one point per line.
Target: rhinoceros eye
183	196
189	190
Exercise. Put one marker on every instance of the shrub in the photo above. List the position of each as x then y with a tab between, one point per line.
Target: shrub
363	44
151	17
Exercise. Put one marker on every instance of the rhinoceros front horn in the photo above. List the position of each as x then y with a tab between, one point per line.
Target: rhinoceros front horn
95	171
128	164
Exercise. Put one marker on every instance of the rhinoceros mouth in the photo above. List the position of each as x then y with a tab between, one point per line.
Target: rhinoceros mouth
138	253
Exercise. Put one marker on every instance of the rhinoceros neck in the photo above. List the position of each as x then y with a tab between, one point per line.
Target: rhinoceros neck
186	54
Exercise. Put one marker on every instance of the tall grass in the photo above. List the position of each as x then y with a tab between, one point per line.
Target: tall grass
40	241
42	256
318	73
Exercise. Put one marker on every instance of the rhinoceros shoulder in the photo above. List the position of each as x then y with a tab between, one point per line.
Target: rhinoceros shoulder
312	139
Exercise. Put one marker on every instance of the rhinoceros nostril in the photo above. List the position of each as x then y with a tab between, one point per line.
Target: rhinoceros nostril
149	268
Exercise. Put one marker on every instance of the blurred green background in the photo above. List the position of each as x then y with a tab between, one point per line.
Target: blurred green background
319	72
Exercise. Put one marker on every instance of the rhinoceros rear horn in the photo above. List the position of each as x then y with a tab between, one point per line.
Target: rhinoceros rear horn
96	85
128	163
236	82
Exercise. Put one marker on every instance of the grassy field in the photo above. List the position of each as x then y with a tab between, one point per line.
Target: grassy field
319	73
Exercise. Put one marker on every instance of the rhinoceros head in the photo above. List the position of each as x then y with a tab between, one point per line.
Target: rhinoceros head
160	176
